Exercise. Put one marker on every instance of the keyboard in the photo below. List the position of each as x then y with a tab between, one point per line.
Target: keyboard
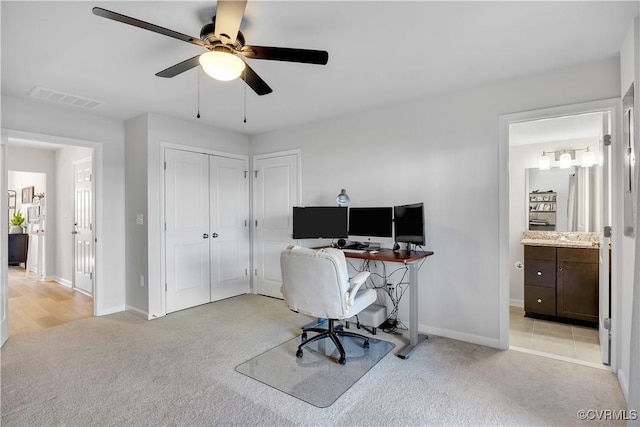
360	251
354	251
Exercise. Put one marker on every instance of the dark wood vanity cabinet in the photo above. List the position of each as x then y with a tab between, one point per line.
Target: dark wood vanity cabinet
577	284
561	283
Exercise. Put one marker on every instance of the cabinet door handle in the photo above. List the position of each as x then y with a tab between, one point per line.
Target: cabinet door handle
214	235
539	300
539	273
559	268
205	236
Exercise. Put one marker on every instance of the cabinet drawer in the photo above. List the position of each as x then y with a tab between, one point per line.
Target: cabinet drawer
540	252
539	273
540	300
591	256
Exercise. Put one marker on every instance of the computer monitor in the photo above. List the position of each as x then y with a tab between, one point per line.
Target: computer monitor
409	223
319	222
374	222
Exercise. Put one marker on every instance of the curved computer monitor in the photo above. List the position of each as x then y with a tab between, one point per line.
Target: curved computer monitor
319	222
408	221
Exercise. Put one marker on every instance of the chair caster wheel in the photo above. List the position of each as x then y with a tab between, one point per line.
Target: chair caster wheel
366	344
304	336
299	353
342	361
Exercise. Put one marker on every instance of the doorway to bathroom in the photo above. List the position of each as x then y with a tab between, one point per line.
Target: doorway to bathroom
559	202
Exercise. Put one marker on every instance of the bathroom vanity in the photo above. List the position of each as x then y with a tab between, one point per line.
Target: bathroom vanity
561	277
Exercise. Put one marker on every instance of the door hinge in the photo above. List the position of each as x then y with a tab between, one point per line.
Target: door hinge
165	226
165	287
91	226
255	273
165	165
256	222
91	276
245	222
245	174
90	177
246	272
606	322
255	173
607	140
607	231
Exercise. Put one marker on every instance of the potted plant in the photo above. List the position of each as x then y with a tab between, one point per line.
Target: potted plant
16	223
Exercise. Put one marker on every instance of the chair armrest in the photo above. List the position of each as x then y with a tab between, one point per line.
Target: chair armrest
357	281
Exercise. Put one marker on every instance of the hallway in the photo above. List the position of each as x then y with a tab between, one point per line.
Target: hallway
34	305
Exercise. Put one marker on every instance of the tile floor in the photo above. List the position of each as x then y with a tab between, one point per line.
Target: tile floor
559	339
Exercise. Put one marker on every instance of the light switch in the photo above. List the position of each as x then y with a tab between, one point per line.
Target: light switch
139	219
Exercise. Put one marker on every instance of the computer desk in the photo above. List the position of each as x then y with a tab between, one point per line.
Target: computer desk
409	259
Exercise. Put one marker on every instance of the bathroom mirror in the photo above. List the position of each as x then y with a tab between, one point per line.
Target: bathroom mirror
563	199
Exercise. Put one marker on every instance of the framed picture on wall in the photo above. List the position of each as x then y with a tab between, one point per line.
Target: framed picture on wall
27	195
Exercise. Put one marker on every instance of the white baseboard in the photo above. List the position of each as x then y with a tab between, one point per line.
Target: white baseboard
139	313
61	281
461	336
516	302
624	383
110	310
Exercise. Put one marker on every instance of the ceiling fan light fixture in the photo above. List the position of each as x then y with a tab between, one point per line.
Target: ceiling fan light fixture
223	66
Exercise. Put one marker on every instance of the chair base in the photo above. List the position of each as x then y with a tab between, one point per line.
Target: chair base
331	332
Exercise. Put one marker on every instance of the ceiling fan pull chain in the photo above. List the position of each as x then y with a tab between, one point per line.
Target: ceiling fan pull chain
198	116
245	94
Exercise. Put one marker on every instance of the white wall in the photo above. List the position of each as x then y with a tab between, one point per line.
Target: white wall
441	150
64	182
72	127
41	163
147	145
521	158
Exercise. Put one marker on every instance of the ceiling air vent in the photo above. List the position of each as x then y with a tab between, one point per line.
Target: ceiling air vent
58	97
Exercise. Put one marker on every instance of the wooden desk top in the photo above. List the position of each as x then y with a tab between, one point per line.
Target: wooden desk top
390	256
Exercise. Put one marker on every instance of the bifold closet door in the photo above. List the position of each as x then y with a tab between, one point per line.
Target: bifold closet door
187	230
229	227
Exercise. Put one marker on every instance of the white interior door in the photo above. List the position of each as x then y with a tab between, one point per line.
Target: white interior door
605	267
83	227
275	193
229	230
187	229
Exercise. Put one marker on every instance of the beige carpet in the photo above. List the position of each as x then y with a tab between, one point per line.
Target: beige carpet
120	370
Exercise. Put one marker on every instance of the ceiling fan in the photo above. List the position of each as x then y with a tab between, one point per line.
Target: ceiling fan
225	44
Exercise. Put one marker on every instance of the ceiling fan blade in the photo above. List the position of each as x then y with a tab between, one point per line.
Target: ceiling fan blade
254	81
228	19
307	56
181	67
146	25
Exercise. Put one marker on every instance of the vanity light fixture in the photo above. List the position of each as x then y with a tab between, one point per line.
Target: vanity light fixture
565	158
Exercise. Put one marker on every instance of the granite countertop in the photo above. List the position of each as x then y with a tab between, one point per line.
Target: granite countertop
561	239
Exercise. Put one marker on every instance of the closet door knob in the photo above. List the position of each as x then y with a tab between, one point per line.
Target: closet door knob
214	235
205	235
539	300
539	273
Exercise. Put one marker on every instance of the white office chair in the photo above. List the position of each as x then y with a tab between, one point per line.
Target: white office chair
316	283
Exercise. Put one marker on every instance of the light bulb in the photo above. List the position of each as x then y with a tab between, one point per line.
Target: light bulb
587	159
544	163
565	160
222	66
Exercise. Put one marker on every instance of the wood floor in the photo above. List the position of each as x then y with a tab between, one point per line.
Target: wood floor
34	305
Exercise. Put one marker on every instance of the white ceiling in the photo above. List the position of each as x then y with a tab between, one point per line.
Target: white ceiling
380	53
